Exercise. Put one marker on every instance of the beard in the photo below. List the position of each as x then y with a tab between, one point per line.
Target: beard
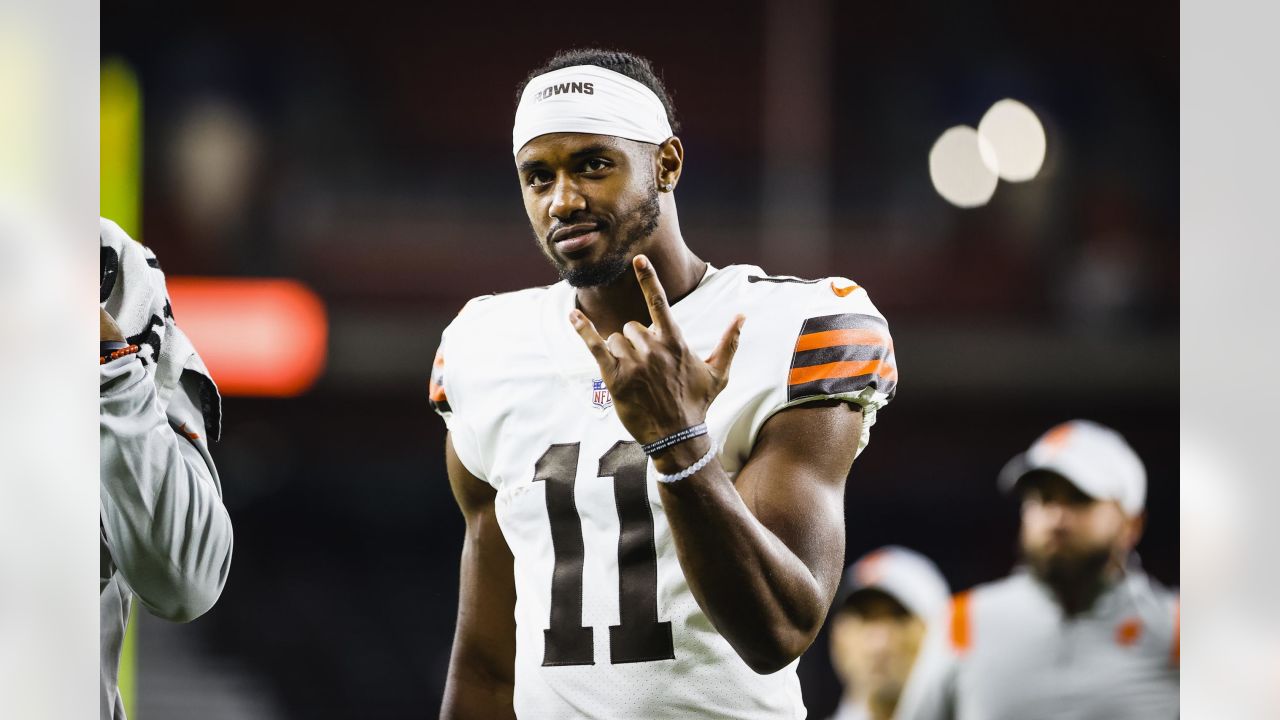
640	223
887	694
1070	572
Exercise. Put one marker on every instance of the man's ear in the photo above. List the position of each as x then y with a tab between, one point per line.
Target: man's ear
669	164
838	638
1134	527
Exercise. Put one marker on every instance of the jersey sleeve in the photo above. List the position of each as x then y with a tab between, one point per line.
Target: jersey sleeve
161	514
840	349
445	388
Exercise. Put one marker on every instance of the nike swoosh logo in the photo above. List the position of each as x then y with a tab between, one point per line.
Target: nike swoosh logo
842	292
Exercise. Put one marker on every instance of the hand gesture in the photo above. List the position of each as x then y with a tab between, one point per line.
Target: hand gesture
659	387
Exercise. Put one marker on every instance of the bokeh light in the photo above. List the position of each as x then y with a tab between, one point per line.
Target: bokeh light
1016	141
265	337
958	166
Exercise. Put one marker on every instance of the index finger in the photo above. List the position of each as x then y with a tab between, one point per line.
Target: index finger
655	296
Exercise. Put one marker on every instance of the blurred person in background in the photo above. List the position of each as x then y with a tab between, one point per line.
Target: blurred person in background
165	536
1080	631
887	600
627	483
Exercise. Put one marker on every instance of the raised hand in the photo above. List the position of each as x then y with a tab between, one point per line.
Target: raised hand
658	385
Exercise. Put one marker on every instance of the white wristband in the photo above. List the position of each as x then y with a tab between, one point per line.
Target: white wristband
692	469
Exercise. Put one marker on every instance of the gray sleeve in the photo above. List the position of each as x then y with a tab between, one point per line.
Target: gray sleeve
930	692
167	531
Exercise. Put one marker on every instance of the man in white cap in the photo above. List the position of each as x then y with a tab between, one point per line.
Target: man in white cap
1080	631
886	602
646	537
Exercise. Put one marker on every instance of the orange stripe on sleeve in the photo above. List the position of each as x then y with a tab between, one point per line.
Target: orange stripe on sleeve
831	338
961	632
1175	653
435	390
436	393
841	370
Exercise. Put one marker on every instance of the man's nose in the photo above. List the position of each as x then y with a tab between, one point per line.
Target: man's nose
1057	513
566	199
879	638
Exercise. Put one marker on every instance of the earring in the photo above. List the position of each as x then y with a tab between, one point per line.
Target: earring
666	187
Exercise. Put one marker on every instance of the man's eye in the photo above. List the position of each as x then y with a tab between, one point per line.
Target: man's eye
595	165
538	178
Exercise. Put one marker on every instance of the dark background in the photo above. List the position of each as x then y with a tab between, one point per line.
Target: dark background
365	150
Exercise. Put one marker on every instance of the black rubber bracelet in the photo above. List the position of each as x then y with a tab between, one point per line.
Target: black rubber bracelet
106	347
676	438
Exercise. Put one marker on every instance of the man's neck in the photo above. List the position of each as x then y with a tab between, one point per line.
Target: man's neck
614	305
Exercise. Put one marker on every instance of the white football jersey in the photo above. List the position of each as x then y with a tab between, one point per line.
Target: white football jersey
606	626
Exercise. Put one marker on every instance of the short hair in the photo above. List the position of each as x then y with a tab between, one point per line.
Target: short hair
624	63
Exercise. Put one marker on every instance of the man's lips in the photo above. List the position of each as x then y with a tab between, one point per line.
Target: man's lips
575	237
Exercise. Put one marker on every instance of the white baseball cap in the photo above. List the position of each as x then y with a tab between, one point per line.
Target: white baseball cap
1093	457
905	575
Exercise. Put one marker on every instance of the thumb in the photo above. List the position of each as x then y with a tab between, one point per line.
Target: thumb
107	327
728	346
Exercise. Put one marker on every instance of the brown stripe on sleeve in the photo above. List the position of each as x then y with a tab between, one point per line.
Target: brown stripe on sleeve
843	321
837	353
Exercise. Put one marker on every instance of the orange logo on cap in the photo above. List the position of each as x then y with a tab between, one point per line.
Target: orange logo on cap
1056	438
870	570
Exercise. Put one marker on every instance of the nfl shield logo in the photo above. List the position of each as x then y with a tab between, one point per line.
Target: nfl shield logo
600	396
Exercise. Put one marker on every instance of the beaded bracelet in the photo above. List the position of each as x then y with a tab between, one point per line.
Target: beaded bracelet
117	354
676	438
691	470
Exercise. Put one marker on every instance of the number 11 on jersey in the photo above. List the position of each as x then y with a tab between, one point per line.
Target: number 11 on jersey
638	636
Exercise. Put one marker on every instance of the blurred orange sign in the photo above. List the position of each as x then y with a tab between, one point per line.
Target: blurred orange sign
258	336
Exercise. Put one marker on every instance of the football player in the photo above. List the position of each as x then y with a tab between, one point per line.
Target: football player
653	490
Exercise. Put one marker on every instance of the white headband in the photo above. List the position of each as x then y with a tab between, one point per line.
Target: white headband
589	99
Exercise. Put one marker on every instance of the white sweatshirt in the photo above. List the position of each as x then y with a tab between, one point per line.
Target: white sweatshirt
1009	652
